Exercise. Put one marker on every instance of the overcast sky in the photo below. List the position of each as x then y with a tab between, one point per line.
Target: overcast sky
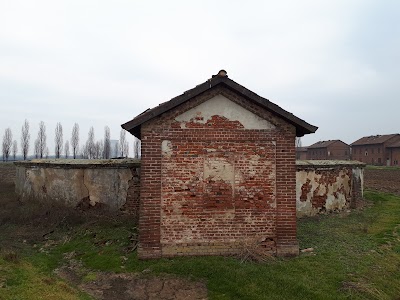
335	64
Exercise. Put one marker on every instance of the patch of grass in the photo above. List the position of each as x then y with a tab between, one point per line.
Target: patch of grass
91	276
25	281
356	255
371	167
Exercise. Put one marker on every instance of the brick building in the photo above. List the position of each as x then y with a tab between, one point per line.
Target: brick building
394	153
376	149
218	170
329	150
301	153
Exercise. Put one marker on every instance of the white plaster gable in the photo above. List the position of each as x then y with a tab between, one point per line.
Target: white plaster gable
222	106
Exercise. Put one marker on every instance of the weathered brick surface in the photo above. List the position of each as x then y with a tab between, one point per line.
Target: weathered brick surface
208	186
133	195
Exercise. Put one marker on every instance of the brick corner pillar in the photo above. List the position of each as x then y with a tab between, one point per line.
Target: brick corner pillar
286	221
356	185
150	199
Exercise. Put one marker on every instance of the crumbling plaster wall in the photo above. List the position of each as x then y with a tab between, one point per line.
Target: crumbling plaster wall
326	186
108	183
321	186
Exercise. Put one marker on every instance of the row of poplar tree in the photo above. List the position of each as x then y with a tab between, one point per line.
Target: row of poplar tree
91	149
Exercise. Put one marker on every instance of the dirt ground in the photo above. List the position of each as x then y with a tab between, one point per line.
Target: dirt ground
126	286
383	180
23	224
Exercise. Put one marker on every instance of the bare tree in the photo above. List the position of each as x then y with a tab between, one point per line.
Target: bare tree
46	152
116	150
75	140
122	142
90	144
42	139
107	143
66	149
37	149
15	149
298	142
98	149
58	140
136	148
25	137
84	152
7	142
126	149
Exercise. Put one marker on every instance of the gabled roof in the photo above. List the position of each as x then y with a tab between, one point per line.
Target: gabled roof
374	139
324	144
134	125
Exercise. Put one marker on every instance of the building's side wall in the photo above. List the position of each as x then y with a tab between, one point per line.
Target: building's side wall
375	154
327	188
317	153
389	159
214	177
338	151
335	151
395	156
302	155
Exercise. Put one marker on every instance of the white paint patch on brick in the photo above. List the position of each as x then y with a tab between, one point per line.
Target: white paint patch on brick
218	169
222	106
166	147
358	174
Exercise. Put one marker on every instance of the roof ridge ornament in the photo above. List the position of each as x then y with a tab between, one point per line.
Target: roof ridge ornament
221	73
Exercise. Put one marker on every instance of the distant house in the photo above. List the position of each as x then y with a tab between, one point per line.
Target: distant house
301	153
377	149
332	150
394	153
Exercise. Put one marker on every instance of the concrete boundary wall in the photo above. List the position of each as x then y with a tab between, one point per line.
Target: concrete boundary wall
111	184
321	185
327	185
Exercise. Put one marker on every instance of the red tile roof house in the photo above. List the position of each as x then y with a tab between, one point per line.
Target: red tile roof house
331	150
218	170
374	149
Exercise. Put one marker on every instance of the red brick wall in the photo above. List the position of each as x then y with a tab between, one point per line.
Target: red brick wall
185	212
133	195
335	151
370	154
395	156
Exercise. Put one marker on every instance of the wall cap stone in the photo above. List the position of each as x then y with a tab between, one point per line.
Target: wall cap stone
63	163
301	164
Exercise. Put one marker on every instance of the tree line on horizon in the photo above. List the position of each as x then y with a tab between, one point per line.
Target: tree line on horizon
91	149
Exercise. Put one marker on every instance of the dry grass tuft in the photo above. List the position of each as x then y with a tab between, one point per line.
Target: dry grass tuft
364	288
11	256
255	251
